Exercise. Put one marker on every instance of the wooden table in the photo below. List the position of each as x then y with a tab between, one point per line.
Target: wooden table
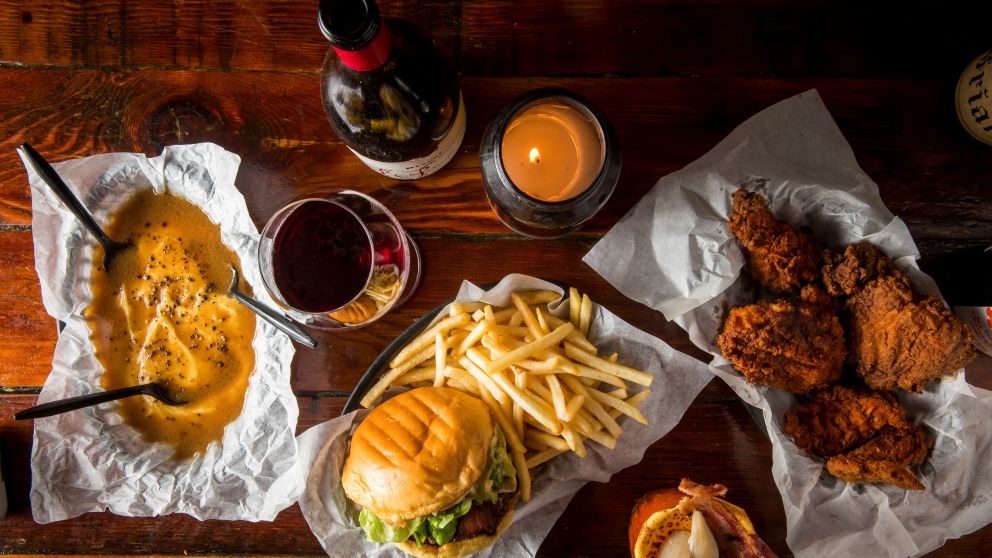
674	77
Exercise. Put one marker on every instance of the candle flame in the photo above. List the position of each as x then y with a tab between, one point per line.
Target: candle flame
535	155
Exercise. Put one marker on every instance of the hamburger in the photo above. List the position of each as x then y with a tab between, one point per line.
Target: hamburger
693	522
431	474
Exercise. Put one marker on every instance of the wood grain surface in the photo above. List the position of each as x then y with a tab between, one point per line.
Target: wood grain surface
674	77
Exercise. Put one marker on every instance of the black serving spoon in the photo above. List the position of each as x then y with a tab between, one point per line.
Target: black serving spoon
73	403
282	323
110	247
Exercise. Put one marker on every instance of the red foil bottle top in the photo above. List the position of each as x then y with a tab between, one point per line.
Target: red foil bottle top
369	57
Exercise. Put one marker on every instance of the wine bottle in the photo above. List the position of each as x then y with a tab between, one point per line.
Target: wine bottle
389	91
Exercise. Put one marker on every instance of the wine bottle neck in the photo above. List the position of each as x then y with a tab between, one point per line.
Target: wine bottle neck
369	57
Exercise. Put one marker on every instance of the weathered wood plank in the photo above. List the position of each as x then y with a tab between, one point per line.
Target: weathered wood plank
27	333
904	134
576	37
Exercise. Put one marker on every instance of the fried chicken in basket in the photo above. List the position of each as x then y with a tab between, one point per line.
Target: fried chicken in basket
896	337
781	257
865	435
795	346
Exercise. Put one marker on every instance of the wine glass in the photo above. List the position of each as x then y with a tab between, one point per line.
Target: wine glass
338	261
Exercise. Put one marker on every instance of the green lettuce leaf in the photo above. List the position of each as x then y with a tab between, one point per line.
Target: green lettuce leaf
500	477
379	532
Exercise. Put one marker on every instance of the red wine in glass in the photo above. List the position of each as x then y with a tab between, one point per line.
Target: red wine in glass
322	257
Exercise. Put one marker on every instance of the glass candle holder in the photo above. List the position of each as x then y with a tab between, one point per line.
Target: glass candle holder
550	160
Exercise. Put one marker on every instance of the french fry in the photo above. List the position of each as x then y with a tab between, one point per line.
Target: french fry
463	308
574	304
557	397
426	338
440	358
418	374
548	440
619	393
543	456
618	404
550	340
549	365
537	409
638	398
499	316
528	315
603	365
548	389
590	373
516	319
520	380
485	381
574	441
593	406
541	321
576	337
535	298
390	376
532	443
585	315
574	404
473	337
595	434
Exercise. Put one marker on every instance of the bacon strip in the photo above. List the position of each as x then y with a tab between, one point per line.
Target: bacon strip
733	540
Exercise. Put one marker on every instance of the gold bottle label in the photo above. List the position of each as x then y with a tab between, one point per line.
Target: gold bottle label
974	105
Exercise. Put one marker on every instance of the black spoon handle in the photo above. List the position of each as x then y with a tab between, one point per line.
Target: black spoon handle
64	194
73	403
282	323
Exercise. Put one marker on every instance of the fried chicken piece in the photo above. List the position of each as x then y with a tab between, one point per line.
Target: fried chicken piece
846	274
865	435
813	294
794	346
840	419
900	339
886	458
896	337
782	258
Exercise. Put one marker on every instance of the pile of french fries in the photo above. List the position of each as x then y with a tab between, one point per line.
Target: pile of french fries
546	384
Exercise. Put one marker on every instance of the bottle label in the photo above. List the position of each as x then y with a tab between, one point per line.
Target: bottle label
371	56
974	104
979	319
419	168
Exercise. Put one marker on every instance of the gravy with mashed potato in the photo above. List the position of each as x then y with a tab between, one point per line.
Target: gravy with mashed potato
161	314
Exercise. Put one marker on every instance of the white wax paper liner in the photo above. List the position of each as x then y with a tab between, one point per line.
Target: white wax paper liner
674	253
89	460
678	379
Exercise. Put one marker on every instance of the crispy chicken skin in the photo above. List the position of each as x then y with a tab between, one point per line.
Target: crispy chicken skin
781	257
865	435
896	338
840	419
846	273
886	458
794	346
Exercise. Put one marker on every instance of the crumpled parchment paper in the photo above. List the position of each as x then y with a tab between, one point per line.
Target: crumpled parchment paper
794	154
678	379
89	460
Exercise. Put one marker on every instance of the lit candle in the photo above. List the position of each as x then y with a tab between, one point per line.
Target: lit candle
550	160
553	151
